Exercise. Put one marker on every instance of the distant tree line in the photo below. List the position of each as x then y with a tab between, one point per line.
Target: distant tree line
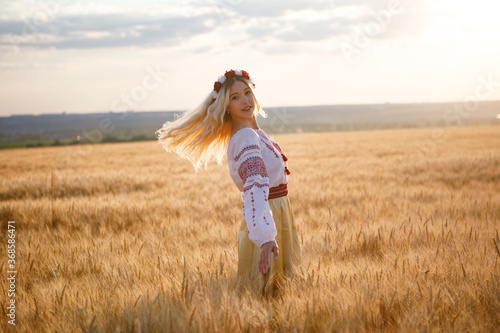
106	139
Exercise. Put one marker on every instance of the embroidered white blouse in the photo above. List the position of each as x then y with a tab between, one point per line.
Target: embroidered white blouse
256	163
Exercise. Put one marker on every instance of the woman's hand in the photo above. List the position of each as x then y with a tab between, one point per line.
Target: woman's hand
265	252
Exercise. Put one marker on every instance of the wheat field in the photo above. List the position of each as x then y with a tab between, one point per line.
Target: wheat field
399	232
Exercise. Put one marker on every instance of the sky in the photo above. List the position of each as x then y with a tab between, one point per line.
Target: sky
77	57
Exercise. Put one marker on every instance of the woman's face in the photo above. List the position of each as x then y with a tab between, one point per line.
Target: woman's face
241	101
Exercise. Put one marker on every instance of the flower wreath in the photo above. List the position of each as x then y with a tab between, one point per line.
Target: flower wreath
229	74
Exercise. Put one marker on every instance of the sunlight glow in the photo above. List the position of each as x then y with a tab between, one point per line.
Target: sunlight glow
478	15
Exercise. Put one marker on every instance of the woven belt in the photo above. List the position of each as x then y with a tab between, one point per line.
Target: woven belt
278	191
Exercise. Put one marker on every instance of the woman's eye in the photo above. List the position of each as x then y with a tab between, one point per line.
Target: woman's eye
235	98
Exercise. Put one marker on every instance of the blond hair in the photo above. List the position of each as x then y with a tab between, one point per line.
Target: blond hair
201	135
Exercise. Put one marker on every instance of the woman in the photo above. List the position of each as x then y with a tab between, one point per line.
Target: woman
225	124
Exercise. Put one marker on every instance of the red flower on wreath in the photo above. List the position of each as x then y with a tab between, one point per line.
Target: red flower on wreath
217	86
230	73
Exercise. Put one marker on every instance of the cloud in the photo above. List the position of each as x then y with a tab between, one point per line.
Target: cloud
105	30
287	22
266	8
29	66
301	31
344	20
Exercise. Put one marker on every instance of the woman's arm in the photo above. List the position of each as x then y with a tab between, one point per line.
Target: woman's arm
252	171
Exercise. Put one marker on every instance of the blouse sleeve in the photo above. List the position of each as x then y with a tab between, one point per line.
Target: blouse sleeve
252	171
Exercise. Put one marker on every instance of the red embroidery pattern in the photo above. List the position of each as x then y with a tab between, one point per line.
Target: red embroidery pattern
275	144
278	148
270	148
252	166
278	191
237	157
255	184
253	209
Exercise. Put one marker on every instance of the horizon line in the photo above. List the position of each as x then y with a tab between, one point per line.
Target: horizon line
267	107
